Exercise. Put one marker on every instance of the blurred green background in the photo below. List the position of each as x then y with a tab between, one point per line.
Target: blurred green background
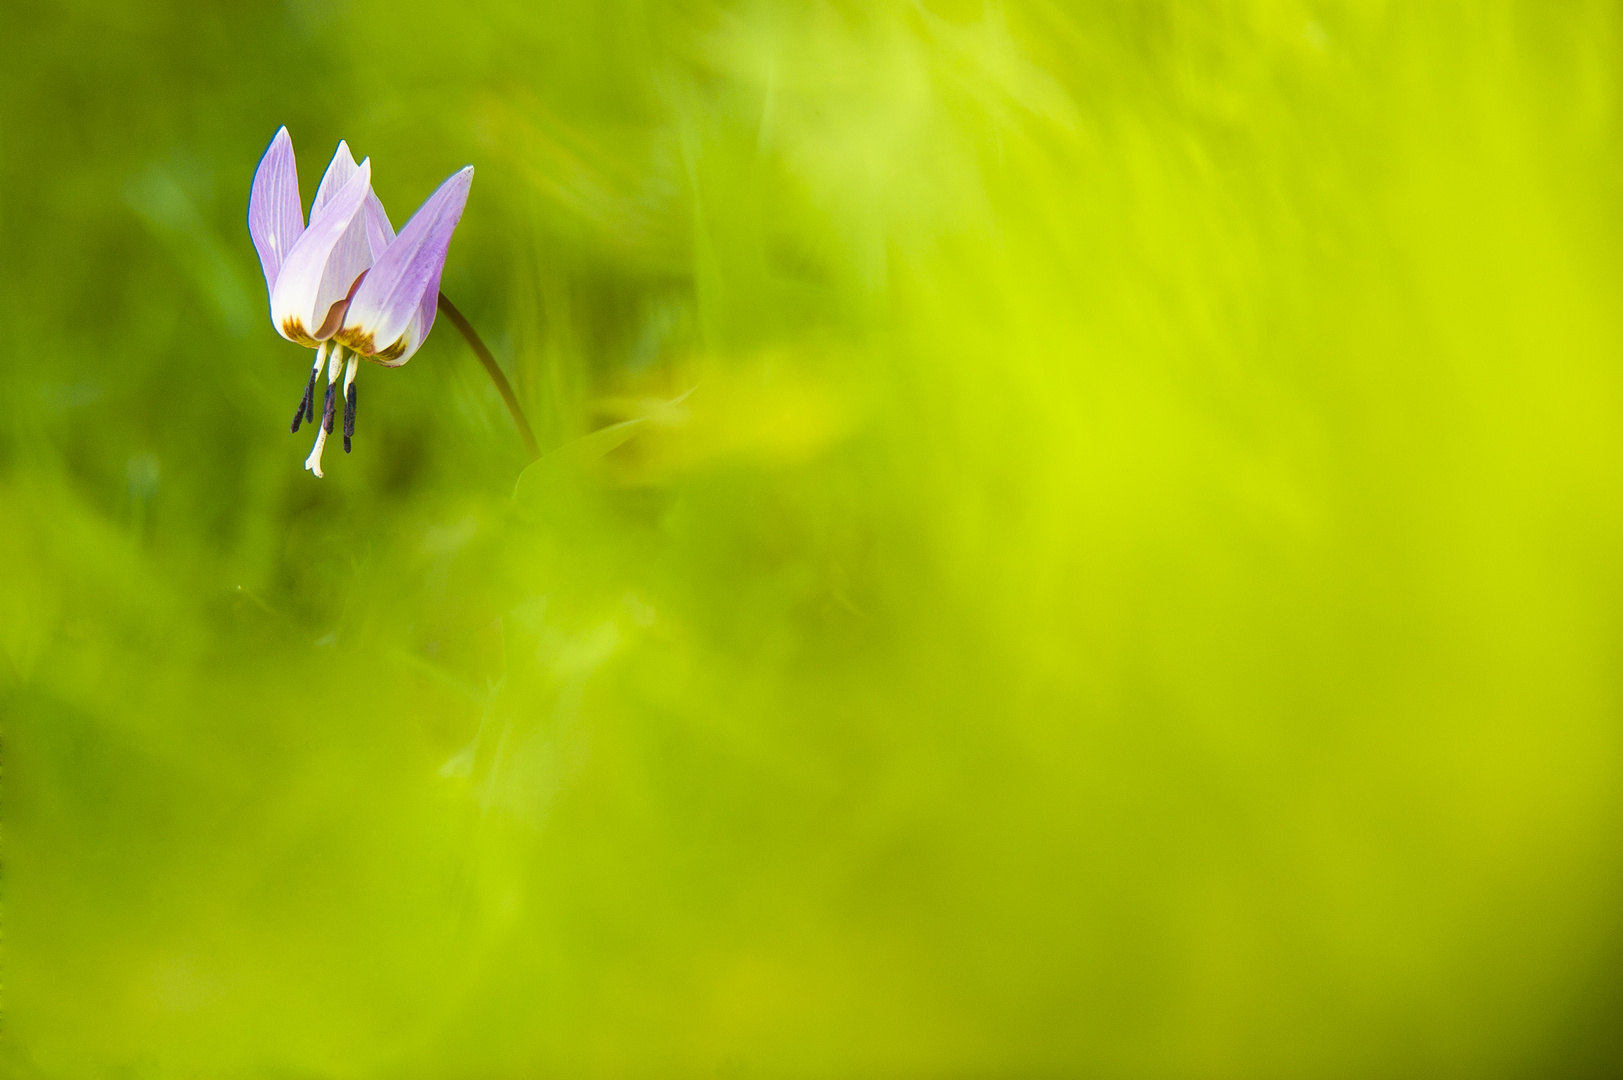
1135	589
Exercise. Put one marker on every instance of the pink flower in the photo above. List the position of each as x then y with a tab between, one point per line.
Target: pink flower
347	280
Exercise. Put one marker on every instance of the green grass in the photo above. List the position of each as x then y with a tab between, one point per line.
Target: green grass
1131	589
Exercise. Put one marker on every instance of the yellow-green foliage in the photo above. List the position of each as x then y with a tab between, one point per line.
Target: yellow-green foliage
1132	588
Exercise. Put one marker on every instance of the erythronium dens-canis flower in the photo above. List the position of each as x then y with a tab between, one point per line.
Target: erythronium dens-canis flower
346	280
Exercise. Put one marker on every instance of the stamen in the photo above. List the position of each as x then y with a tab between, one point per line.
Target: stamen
332	385
310	410
307	404
313	462
349	401
304	403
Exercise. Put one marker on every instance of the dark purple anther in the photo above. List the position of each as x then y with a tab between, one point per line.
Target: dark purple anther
349	416
326	412
307	404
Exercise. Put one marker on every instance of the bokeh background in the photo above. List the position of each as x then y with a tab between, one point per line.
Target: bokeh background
1132	588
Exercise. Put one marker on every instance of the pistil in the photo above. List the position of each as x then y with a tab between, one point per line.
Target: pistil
313	462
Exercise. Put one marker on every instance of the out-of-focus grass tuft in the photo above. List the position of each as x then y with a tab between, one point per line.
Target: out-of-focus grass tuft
1110	565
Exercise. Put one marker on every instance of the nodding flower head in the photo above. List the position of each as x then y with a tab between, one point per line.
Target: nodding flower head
346	279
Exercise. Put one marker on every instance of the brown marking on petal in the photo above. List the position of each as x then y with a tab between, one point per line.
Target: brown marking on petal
354	339
293	330
389	360
383	356
359	341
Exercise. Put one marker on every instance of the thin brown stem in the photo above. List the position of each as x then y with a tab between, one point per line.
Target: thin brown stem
495	372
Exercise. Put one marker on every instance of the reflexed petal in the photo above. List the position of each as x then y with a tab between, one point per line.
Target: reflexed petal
322	267
339	171
429	306
361	244
275	214
379	233
394	293
416	331
350	258
422	321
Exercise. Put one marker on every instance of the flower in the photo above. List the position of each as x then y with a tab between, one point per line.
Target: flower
347	279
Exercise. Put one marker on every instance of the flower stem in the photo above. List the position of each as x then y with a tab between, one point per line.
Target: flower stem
496	376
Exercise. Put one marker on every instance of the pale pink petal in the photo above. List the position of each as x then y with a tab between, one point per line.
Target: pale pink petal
323	265
379	233
339	171
394	292
275	214
412	339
